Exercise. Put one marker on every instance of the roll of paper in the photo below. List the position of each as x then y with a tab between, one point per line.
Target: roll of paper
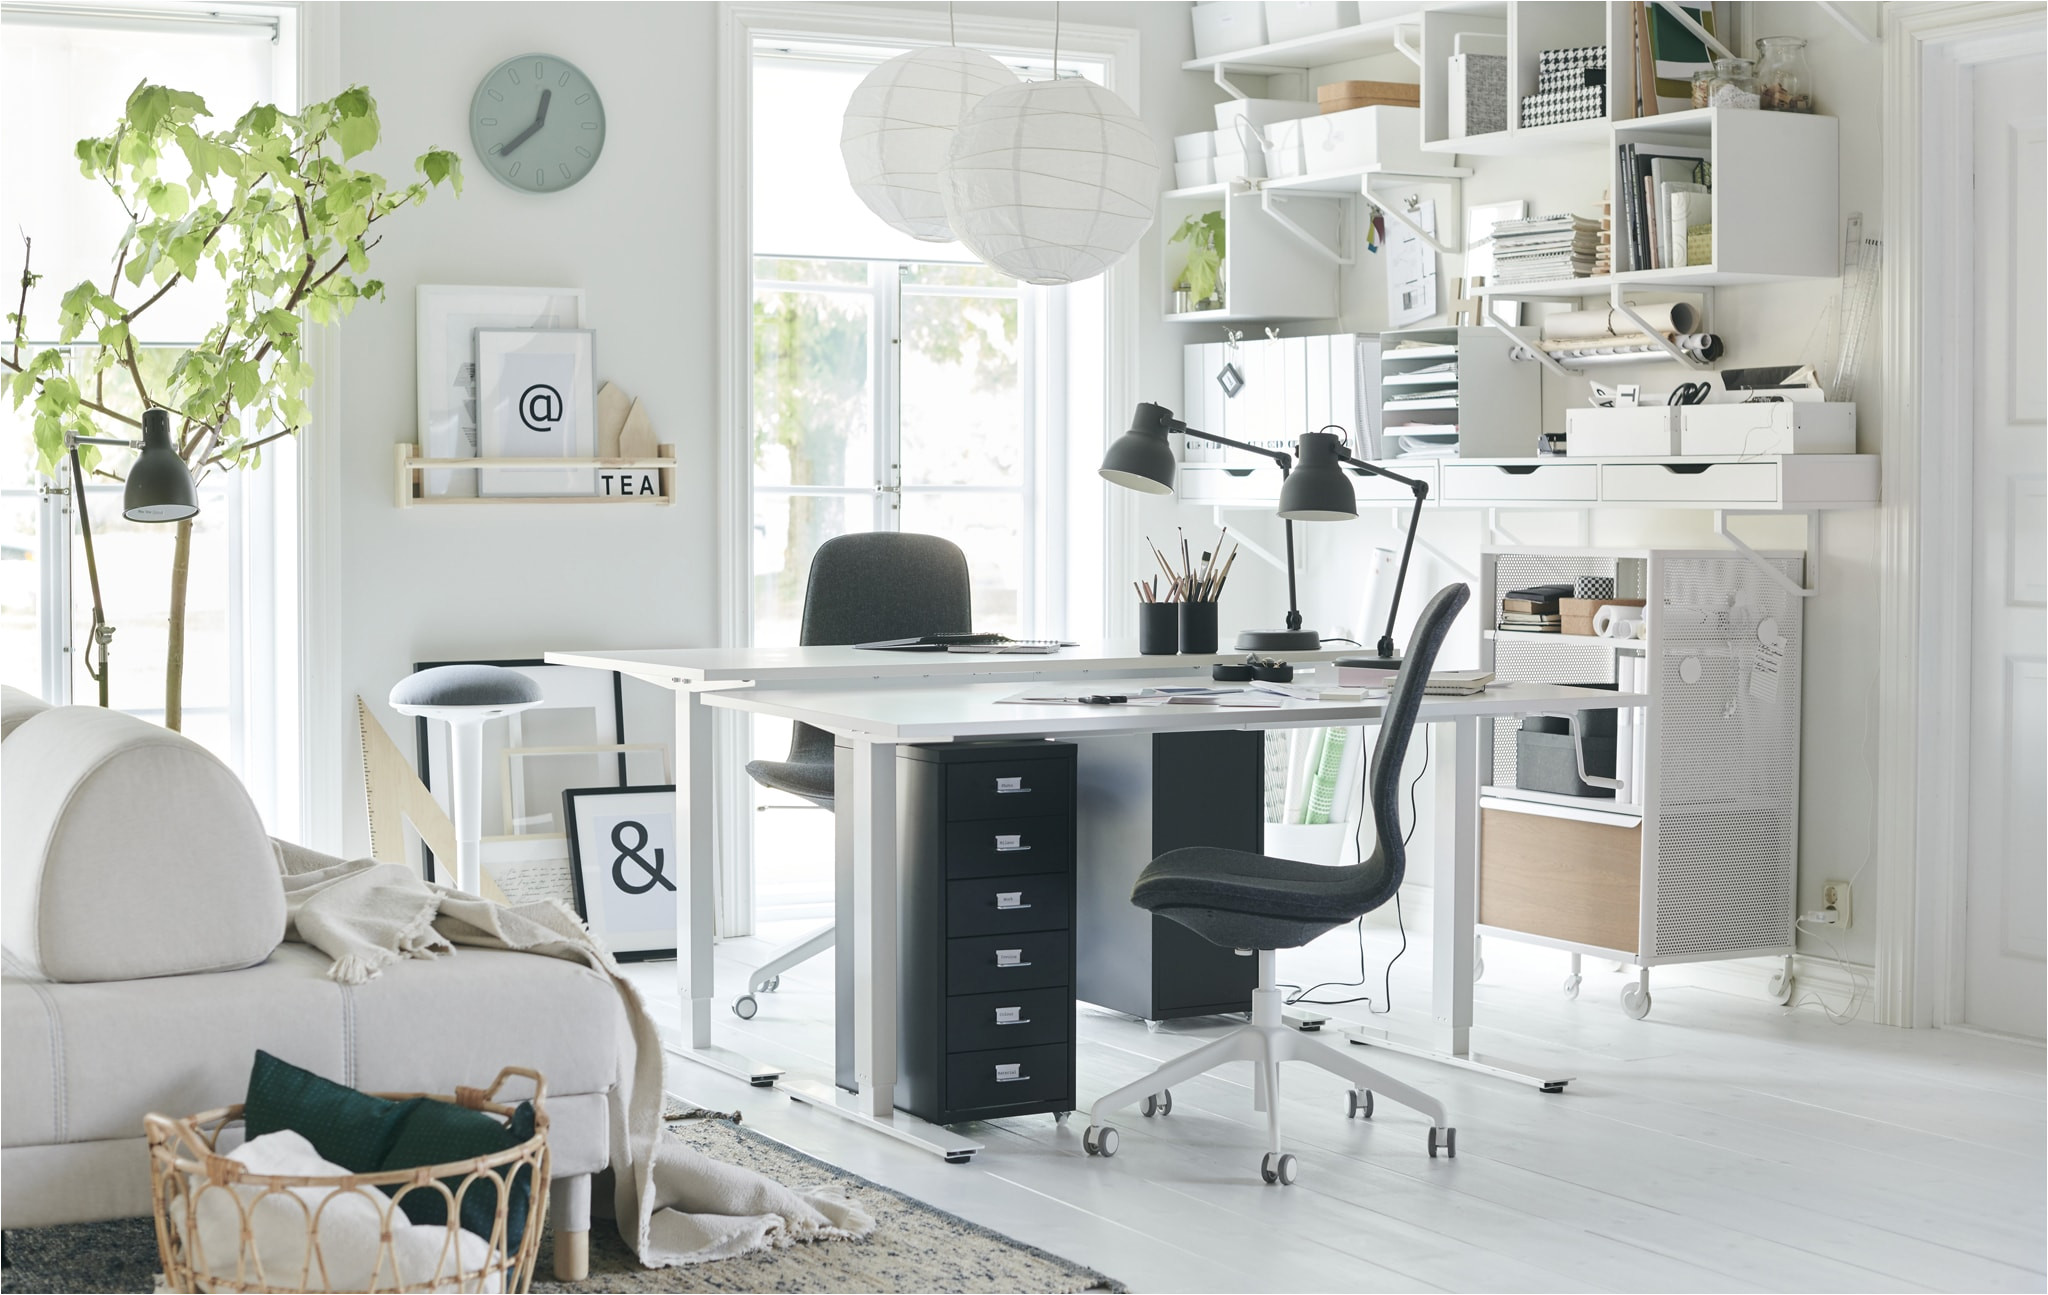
1665	317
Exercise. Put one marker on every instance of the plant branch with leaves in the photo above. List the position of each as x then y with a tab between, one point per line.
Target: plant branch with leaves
1204	236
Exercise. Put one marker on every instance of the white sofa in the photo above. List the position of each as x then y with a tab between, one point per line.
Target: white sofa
142	917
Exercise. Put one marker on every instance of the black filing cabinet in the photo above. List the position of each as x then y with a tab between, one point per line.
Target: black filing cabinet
986	882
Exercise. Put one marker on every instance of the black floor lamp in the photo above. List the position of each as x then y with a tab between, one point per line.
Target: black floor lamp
1315	489
159	489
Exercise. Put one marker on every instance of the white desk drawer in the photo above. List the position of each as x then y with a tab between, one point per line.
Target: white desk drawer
1536	482
1747	483
1213	484
1378	490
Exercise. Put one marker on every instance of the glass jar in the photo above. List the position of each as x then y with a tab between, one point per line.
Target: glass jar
1703	87
1734	84
1784	83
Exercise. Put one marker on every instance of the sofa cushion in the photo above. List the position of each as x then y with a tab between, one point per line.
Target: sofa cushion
127	850
345	1127
438	1133
16	706
87	1061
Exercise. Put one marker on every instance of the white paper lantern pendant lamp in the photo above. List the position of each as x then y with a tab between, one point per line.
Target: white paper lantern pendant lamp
898	125
1051	181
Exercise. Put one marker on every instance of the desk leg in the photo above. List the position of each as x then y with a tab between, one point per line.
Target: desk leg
696	914
1454	915
872	803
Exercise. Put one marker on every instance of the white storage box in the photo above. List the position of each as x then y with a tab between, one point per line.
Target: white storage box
1226	26
1232	167
1193	148
1259	112
1360	137
1614	433
1191	175
1283	148
1769	427
1288	19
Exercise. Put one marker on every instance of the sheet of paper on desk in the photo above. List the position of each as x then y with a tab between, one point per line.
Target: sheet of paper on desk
1148	697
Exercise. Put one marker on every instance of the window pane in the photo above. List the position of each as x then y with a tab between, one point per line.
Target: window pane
962	405
788	528
135	581
990	528
785	269
813	401
957	276
21	641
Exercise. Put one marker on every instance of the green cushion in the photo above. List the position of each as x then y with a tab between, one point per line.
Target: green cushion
437	1132
348	1128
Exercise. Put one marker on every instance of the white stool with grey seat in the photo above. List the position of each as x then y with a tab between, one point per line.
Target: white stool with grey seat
466	697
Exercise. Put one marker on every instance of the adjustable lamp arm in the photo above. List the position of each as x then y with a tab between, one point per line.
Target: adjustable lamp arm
1286	462
1421	492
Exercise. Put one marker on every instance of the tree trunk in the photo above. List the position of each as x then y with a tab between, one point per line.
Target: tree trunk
174	651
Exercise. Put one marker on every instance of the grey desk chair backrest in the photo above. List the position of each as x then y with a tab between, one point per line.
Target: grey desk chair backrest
863	588
1404	700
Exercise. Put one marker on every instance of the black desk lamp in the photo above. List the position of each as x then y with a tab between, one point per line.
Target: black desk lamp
1142	460
1318	491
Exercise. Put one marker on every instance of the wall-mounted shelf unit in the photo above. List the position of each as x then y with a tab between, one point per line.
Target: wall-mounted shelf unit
411	485
1530	29
1391	34
1269	273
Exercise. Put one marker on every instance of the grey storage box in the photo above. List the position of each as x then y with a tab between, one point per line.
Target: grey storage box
1546	761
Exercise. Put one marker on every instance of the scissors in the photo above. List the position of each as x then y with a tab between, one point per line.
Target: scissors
1689	393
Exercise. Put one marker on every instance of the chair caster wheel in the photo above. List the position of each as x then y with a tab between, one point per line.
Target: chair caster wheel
1780	989
1444	1140
1278	1167
1571	986
770	985
1358	1104
1159	1103
1635	1000
1060	1118
745	1007
1099	1140
1478	969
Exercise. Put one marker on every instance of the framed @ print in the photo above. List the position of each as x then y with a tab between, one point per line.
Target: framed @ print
622	861
447	320
536	399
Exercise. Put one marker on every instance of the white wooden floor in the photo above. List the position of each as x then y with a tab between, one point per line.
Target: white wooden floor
1723	1144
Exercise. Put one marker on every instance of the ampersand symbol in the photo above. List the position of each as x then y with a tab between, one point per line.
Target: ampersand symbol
652	871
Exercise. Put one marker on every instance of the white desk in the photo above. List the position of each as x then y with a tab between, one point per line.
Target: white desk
695	673
875	722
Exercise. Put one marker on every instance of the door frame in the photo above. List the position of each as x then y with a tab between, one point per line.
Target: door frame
1923	654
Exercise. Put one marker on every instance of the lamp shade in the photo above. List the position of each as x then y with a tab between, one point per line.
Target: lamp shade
1142	458
898	125
1318	490
159	484
1050	181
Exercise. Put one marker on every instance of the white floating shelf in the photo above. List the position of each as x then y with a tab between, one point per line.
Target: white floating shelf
1340	46
412	488
1518	140
1351	183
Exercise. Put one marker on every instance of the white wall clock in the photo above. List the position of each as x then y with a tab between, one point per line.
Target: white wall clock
537	123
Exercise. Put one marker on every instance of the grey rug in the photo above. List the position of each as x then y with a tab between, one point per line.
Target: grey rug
913	1247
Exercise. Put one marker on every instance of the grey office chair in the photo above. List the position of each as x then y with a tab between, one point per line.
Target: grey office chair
864	587
1249	902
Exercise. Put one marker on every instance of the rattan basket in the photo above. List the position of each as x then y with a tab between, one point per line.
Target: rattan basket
207	1204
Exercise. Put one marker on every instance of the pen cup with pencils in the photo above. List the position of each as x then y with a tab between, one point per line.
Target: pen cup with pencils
1198	627
1158	628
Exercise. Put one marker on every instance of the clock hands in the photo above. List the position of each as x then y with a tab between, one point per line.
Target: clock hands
539	119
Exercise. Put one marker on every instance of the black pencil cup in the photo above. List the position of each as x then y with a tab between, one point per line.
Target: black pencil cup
1197	628
1158	629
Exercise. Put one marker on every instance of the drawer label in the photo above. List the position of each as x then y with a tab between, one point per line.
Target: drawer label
1010	786
1010	958
1010	1072
1010	844
1010	899
1010	1016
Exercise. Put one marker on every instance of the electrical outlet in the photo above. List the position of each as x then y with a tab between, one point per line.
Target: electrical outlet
1835	895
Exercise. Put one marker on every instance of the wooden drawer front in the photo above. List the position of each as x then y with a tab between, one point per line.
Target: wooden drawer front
993	964
1561	878
1019	1020
995	847
1008	1077
1542	481
1008	789
1749	483
999	905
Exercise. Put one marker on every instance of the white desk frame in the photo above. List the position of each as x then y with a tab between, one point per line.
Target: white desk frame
920	698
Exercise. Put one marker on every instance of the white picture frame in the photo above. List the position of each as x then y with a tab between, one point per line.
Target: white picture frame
446	319
536	398
622	848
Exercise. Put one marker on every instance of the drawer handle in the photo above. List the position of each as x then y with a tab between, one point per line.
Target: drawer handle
1517	470
1007	958
1011	1016
1011	787
1008	1074
1011	844
1010	901
1237	472
1686	469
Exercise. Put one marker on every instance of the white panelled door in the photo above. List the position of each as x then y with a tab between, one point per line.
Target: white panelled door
2007	880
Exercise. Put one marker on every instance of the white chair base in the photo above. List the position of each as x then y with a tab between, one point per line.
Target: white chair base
765	978
1266	1042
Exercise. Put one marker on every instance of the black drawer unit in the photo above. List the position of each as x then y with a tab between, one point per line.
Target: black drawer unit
986	883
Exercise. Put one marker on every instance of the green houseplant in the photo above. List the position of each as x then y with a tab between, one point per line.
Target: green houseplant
270	226
1203	276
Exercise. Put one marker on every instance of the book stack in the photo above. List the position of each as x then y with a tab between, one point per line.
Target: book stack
1603	254
1571	85
1534	610
1544	248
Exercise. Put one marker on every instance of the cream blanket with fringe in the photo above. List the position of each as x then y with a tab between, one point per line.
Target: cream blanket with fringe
674	1205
